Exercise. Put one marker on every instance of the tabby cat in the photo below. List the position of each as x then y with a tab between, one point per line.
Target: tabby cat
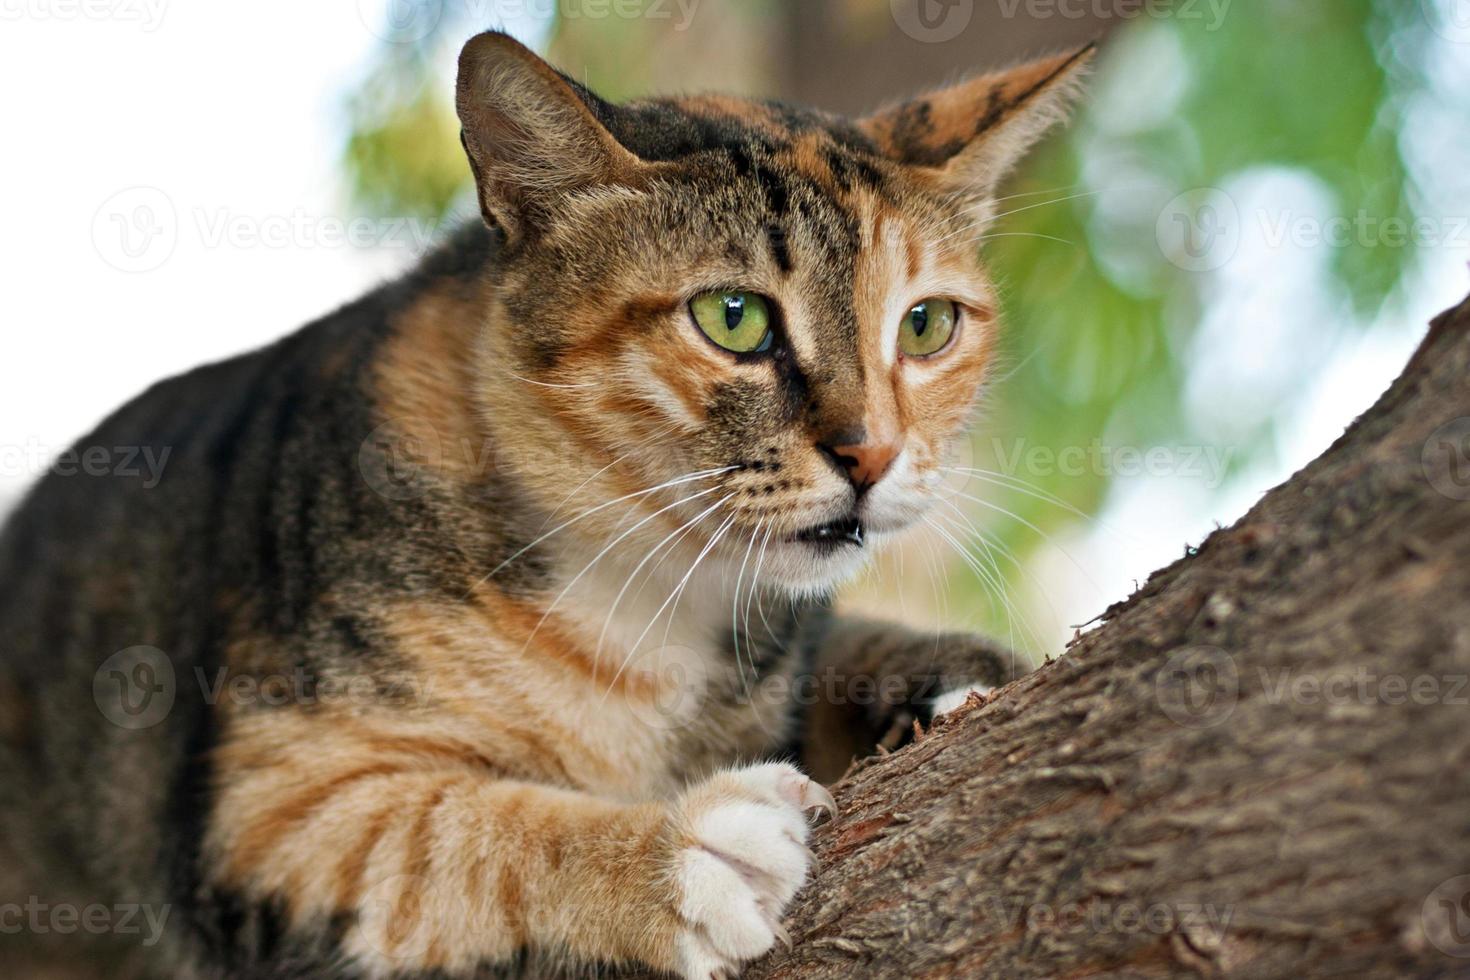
480	628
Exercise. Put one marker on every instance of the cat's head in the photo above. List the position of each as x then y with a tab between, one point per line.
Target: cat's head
780	313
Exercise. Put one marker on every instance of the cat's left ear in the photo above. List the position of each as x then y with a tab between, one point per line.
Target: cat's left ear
531	135
971	135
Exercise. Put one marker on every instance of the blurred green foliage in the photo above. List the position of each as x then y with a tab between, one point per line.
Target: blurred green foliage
1105	344
1101	324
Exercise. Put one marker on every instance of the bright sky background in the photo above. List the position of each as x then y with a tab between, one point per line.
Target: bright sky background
217	130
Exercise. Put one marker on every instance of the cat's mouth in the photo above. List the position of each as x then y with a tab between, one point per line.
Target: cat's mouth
841	533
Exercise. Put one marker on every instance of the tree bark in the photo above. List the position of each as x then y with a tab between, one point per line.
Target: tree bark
1257	766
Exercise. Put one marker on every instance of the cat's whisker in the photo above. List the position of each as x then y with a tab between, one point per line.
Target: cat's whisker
1050	190
637	447
965	230
679	481
1026	234
932	567
608	547
678	533
993	580
1019	485
759	605
1025	523
1044	204
992	545
678	589
1011	370
548	384
735	603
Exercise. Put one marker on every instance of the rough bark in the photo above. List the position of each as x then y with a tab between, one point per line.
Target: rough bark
1257	766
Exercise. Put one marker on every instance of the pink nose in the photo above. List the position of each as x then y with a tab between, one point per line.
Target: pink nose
866	462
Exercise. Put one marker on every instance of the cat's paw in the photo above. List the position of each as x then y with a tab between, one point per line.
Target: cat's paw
746	859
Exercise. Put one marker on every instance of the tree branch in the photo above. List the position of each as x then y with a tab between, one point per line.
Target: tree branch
1258	765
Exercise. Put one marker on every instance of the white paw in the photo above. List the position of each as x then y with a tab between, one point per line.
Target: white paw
747	861
950	700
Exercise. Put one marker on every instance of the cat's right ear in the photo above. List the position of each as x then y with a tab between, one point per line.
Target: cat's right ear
529	135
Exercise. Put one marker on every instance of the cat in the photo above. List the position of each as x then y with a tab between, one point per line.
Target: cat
482	626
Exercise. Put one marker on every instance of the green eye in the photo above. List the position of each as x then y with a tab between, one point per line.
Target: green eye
739	322
927	327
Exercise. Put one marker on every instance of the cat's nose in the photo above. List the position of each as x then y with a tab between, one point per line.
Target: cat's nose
864	462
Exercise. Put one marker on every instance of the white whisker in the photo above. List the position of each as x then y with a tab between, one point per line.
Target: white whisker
599	556
691	478
678	590
679	532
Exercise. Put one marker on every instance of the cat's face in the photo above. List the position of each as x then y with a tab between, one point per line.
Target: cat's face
782	315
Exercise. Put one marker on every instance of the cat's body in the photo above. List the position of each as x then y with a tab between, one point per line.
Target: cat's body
432	648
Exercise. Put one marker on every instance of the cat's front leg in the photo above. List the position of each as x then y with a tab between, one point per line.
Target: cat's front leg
873	680
440	865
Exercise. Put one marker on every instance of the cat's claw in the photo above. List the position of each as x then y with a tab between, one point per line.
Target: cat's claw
746	859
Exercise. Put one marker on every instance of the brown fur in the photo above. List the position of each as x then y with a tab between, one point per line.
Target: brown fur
597	587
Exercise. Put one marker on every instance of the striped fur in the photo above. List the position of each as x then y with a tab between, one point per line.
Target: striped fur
483	597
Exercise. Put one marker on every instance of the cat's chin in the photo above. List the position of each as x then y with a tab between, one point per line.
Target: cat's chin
813	564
